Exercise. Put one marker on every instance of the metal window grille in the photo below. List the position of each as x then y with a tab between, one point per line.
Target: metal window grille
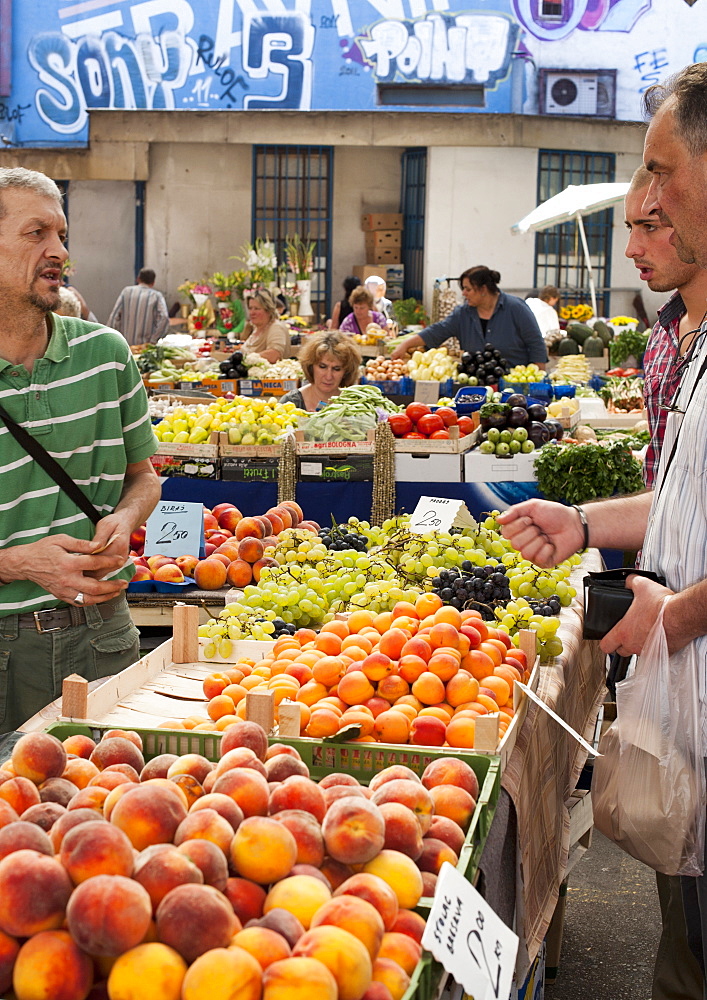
559	259
412	198
292	193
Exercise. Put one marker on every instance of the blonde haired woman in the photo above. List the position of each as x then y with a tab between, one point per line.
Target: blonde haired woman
265	334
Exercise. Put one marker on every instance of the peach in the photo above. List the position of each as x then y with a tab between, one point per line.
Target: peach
392	975
209	859
187	564
390	774
71	819
80	745
345	956
109	780
445	829
335	872
410	923
34	891
154	562
148	814
427	731
451	771
107	914
377	991
20	793
250	549
246	898
209	574
283	766
300	895
117	750
224	805
282	922
247	788
205	824
277	748
38	756
401	948
402	829
22	835
354	830
297	792
402	875
412	794
161	868
263	849
190	786
429	883
262	564
170	573
9	948
276	522
355	915
8	814
154	963
239	757
79	771
434	854
453	802
193	919
127	769
223	972
44	815
96	848
307	833
191	763
299	979
158	766
264	945
92	797
57	790
245	734
335	792
50	964
227	515
375	891
239	573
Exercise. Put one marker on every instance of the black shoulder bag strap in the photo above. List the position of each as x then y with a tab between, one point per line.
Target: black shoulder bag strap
51	467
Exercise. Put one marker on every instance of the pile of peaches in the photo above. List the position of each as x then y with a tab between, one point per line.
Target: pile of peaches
420	674
238	543
185	879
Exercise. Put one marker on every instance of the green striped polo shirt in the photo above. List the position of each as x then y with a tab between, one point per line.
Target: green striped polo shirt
85	403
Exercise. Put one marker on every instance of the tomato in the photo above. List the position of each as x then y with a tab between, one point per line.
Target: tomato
414	434
437	435
400	424
416	410
448	415
430	422
466	425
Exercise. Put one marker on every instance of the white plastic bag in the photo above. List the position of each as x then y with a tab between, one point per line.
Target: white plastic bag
648	788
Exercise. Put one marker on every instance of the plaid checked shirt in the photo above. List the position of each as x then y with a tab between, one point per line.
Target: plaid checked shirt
657	392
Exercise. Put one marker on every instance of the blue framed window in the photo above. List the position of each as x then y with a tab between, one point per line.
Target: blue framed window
559	258
292	193
412	199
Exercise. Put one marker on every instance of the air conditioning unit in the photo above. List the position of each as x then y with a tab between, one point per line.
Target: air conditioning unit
578	92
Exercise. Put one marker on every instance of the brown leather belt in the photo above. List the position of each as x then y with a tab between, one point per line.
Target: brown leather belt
56	619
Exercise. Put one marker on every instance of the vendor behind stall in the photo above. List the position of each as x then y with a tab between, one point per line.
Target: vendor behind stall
363	313
265	334
330	362
489	316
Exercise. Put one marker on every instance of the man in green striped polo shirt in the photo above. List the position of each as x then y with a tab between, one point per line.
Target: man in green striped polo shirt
74	386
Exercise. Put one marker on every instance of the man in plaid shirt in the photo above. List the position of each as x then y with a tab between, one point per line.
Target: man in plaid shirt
676	972
678	320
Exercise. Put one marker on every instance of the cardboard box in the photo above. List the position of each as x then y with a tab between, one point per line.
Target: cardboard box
389	273
429	468
381	220
518	468
453	445
383	255
266	387
228	450
394	292
339	448
246	470
383	238
335	468
186	465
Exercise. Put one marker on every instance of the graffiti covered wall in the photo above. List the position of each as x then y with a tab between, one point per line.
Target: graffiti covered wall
72	56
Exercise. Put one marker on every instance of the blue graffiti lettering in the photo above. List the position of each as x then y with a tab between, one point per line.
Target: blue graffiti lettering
649	64
463	49
16	114
280	44
328	21
224	74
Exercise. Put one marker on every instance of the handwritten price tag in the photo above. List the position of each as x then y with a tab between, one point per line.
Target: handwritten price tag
175	529
440	514
472	943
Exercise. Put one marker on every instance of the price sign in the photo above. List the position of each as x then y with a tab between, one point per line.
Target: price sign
440	514
426	392
469	939
175	529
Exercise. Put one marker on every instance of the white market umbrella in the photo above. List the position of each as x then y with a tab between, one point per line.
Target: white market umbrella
574	202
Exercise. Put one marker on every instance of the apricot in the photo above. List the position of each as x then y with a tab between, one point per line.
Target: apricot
354	830
393	687
391	975
38	756
345	956
355	915
299	978
428	731
154	963
300	895
108	914
392	726
51	965
263	850
34	891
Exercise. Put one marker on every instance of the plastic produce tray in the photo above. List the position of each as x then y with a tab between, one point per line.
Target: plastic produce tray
404	386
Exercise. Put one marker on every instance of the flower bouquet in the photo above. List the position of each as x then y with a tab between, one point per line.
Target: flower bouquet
580	312
260	261
300	256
